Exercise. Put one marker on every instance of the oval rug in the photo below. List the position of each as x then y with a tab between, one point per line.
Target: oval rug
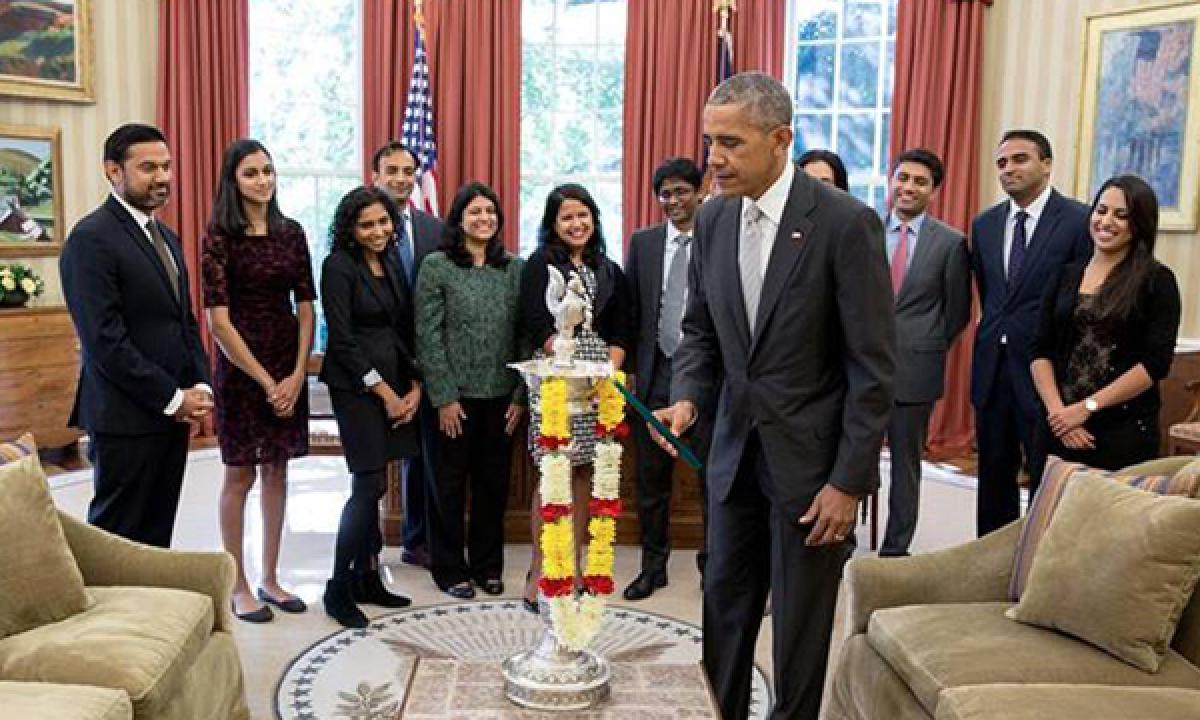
362	673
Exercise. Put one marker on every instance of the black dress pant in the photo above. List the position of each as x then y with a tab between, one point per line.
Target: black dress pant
418	480
907	428
475	463
1002	432
138	479
755	547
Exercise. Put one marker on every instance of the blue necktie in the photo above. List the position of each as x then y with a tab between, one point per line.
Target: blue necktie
1016	256
404	248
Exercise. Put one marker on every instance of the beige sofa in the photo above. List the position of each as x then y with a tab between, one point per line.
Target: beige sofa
928	638
155	641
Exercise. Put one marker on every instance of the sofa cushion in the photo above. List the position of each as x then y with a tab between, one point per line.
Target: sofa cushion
47	701
1115	568
139	640
1054	482
937	647
39	580
1066	702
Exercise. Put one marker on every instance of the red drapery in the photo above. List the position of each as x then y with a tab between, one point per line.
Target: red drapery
670	66
474	51
203	76
939	62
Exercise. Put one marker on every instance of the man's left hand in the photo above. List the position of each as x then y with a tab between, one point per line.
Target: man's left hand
832	515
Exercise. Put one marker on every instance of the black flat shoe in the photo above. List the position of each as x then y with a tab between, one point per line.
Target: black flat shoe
288	605
262	615
530	605
462	590
492	586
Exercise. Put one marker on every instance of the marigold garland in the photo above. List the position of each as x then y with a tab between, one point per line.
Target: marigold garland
576	619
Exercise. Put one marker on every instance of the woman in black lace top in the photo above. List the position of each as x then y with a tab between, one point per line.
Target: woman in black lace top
1107	336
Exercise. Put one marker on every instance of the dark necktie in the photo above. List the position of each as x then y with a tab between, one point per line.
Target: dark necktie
900	259
1016	255
164	255
404	248
670	316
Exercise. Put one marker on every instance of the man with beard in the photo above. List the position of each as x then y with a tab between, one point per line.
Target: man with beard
657	272
143	384
394	170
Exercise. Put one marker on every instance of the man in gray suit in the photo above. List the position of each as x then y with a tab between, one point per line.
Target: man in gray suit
789	332
932	281
656	270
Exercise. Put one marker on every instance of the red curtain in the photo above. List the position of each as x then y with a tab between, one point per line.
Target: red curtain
203	76
939	62
670	66
474	51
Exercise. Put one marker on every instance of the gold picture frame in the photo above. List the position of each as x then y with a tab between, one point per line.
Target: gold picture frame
31	199
1140	109
47	50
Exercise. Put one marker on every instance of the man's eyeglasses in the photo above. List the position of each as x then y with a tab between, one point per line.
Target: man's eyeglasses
677	193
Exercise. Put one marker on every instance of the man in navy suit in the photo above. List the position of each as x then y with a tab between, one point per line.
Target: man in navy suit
394	170
1018	248
143	384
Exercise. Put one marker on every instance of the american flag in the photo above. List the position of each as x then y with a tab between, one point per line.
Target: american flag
417	131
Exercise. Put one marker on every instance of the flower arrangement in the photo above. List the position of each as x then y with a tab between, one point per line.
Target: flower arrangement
576	619
18	282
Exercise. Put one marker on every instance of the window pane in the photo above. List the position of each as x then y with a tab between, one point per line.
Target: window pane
533	203
609	136
537	134
575	22
856	143
575	68
860	75
610	22
817	19
863	19
609	79
884	144
537	85
537	21
814	77
861	191
889	73
812	131
573	143
892	9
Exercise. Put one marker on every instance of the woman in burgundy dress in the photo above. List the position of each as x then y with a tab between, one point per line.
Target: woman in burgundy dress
256	263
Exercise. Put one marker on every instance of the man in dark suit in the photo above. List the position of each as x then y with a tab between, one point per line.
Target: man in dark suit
394	169
789	331
931	278
1018	248
143	384
657	271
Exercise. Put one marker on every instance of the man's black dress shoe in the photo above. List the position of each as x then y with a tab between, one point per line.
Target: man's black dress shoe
644	585
462	590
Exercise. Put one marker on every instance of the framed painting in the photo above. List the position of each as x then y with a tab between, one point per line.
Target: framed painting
1140	110
46	49
31	202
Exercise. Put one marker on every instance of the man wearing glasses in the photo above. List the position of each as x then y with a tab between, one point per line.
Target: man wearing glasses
657	268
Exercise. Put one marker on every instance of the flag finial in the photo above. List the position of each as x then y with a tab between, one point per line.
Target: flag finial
724	10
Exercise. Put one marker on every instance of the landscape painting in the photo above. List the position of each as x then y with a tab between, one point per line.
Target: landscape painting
46	49
31	221
1140	106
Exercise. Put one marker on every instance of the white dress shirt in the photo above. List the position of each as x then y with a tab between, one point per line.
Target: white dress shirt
771	203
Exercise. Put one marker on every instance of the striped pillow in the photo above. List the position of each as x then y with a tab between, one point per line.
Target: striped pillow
23	446
1050	492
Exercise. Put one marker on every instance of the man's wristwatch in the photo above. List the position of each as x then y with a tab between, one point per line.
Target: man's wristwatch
1091	405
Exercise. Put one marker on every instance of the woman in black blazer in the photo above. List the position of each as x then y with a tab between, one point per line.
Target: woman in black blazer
373	385
1107	336
570	239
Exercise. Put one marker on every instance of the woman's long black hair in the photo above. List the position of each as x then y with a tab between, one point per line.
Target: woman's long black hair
227	216
1119	293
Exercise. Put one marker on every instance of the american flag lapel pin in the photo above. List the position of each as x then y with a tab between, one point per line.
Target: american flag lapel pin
798	237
